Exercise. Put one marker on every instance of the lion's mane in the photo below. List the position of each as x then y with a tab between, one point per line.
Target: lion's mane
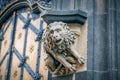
68	37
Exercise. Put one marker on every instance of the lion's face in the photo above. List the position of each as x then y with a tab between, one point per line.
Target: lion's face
57	33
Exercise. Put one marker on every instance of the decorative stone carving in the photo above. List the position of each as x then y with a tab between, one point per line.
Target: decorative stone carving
60	56
31	48
19	35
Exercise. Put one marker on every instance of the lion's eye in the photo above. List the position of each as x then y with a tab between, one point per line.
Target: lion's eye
51	31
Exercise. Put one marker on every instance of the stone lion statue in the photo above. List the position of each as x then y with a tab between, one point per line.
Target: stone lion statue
60	57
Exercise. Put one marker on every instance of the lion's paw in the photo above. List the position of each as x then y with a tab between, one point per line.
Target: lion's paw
81	60
71	67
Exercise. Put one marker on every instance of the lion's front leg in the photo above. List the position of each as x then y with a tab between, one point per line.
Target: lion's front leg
49	62
63	61
74	52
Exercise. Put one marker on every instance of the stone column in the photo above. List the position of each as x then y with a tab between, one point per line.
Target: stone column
117	16
100	40
112	29
97	40
103	40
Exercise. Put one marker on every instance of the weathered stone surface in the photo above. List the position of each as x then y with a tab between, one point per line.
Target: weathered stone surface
61	56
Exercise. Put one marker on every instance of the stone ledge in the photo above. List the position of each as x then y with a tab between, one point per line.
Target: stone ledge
70	16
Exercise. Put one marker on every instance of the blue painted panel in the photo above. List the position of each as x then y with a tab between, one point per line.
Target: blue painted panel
10	48
22	58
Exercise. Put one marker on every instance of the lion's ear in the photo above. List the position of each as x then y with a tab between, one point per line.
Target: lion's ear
65	24
62	24
67	27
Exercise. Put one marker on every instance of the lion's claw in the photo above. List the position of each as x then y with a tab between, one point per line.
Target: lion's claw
81	60
71	67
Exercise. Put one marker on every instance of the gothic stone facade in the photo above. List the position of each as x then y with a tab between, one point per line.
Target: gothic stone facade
94	22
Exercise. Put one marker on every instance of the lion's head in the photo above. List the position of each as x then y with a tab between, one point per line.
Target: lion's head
58	33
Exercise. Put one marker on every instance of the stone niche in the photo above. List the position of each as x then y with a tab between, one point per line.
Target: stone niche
76	19
80	46
81	42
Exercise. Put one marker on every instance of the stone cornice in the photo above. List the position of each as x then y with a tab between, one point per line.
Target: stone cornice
70	16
